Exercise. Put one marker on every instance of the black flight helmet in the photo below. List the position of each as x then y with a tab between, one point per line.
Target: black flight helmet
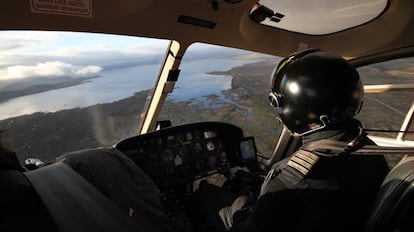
312	89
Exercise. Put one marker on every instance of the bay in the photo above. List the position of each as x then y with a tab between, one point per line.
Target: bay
116	84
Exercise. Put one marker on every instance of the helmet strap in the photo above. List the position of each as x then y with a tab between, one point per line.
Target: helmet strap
361	135
359	107
324	120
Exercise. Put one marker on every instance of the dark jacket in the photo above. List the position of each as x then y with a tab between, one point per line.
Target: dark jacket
336	194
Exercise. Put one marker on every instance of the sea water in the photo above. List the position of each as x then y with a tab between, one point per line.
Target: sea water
116	84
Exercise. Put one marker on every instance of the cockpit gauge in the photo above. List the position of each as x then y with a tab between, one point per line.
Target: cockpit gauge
178	160
170	139
212	161
211	146
209	134
189	136
184	152
197	148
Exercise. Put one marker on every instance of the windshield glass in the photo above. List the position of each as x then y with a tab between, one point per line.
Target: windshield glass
385	111
64	91
317	17
229	85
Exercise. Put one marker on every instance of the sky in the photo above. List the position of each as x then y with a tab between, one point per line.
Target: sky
40	58
42	54
61	54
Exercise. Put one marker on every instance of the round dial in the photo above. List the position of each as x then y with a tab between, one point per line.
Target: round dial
211	146
178	160
223	157
197	148
212	161
189	136
184	152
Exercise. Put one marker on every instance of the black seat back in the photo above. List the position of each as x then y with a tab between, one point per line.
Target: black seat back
21	209
393	210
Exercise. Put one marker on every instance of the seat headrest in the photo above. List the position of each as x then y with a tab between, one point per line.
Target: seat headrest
394	197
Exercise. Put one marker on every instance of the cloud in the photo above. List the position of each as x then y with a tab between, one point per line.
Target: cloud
32	47
87	70
25	40
48	69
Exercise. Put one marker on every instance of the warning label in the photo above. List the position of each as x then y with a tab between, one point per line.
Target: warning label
63	7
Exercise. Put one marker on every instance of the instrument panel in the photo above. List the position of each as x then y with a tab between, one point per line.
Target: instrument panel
182	153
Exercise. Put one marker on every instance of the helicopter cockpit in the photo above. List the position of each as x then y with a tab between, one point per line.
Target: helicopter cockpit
181	89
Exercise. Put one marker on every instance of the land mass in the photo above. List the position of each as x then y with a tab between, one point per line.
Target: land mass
34	85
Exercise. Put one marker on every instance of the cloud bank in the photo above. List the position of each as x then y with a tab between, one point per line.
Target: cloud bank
48	69
29	48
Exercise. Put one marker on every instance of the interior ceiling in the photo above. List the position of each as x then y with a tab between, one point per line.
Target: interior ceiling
319	17
394	29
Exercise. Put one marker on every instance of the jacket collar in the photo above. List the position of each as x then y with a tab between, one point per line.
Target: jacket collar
346	131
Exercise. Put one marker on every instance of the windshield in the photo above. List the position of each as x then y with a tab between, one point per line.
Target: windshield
64	91
385	111
228	85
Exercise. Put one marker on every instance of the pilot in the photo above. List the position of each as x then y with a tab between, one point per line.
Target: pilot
316	95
